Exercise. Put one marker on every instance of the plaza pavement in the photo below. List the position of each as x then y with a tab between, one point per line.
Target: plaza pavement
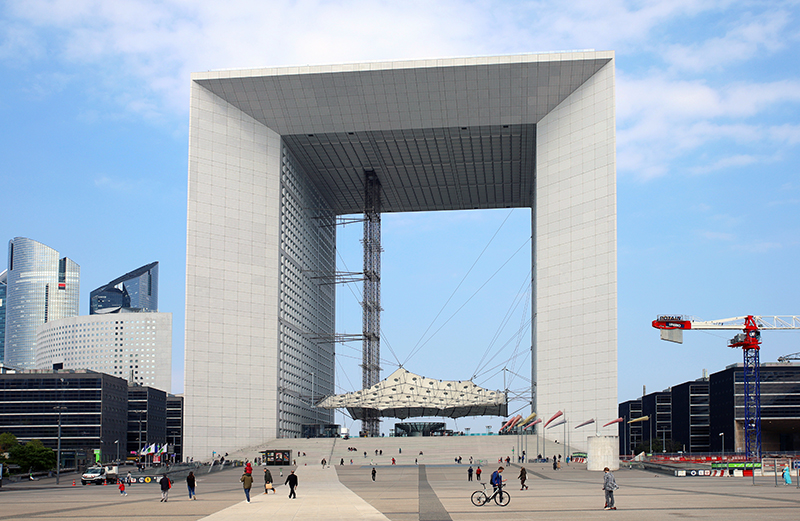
411	493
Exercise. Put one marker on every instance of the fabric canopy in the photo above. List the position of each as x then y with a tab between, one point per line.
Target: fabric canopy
407	395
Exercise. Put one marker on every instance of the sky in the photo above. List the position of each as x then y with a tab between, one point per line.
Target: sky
94	101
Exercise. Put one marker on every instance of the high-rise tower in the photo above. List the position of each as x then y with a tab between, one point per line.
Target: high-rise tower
3	291
136	289
41	288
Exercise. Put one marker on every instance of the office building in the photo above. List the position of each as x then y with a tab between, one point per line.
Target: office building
175	426
658	406
3	291
93	419
41	288
690	416
700	415
780	408
135	346
137	289
630	434
275	155
147	417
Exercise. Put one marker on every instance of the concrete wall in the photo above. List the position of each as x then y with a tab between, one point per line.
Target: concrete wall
231	278
575	264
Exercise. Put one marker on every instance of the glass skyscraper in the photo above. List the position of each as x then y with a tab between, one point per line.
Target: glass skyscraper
41	288
137	289
3	291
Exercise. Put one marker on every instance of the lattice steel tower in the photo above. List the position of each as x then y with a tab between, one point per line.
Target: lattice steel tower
371	327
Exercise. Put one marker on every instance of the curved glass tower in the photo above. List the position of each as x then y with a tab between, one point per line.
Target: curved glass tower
41	288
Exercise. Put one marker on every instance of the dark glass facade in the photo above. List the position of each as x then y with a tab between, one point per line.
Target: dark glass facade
630	434
175	425
690	415
780	408
137	289
95	414
658	406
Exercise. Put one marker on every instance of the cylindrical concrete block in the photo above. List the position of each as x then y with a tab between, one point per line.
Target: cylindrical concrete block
603	452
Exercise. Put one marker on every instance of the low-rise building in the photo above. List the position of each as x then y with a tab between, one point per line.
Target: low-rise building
92	406
175	426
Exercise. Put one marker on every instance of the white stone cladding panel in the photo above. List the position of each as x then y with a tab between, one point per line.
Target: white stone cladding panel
136	347
231	278
575	258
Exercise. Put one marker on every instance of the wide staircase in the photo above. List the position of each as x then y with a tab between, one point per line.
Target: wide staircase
484	450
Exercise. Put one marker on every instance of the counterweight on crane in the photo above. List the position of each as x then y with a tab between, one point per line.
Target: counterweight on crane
749	340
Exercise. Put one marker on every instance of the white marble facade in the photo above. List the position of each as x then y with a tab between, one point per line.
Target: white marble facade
276	154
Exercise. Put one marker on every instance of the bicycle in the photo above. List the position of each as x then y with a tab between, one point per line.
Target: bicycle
480	497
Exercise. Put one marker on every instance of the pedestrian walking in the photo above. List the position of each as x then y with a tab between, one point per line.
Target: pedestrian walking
128	478
787	475
469	473
609	486
478	473
268	482
165	486
393	461
497	481
373	473
291	480
247	484
122	488
523	476
191	483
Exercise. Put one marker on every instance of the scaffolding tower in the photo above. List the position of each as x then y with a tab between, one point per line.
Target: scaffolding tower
371	305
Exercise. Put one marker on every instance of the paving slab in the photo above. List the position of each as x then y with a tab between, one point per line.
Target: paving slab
411	493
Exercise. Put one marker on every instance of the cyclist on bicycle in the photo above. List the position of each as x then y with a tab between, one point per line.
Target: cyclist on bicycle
497	482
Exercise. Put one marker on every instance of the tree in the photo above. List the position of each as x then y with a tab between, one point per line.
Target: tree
33	455
7	440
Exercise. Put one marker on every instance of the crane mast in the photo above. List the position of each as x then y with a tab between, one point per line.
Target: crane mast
672	327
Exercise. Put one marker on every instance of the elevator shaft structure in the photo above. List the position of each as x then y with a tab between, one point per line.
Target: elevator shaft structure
371	304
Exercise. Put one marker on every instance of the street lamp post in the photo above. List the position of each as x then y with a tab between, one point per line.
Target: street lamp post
722	434
116	442
59	408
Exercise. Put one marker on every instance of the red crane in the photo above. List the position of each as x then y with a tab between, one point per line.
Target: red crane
749	340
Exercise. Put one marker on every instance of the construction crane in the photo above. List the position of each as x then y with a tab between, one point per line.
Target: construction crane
672	327
789	358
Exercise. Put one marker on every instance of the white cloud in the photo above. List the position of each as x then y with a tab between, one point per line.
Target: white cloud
140	54
745	40
725	163
660	119
787	133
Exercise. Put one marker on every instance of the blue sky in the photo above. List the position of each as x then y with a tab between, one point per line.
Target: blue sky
93	139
